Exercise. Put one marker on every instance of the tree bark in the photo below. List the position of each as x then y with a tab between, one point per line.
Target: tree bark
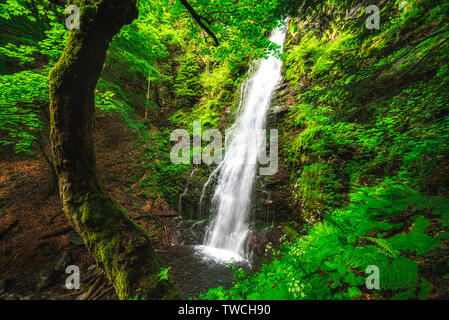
54	177
122	248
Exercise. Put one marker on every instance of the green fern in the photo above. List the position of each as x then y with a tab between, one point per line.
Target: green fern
425	290
385	245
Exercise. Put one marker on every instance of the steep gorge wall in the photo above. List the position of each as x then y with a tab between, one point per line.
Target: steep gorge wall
359	106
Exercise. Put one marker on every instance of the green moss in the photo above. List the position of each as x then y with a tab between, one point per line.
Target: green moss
119	246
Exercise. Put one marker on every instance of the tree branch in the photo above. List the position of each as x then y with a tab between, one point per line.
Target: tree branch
58	2
211	19
199	19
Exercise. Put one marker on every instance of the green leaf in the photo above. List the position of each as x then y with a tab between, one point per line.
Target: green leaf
425	290
354	292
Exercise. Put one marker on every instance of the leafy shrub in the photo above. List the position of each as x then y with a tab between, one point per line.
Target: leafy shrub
330	261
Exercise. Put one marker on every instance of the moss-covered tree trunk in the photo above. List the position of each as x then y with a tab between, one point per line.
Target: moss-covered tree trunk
120	247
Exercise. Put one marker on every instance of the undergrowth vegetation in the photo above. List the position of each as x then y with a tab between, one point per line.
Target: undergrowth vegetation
389	226
157	77
366	146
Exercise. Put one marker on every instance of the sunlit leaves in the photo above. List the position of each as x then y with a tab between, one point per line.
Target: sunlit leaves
240	26
22	96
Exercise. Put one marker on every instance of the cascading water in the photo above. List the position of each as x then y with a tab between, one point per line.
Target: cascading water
231	200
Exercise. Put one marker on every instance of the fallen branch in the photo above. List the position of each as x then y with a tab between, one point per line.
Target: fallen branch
57	233
165	230
93	296
91	290
103	293
154	216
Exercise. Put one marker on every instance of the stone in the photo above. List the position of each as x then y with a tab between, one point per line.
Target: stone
46	248
280	109
62	261
7	224
75	239
2	285
91	269
46	278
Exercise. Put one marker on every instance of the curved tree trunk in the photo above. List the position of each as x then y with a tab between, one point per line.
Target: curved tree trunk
122	248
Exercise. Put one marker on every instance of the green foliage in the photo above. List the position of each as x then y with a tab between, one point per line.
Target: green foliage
163	275
149	48
161	180
330	261
219	95
240	26
351	126
22	98
32	37
187	84
34	41
35	34
348	130
138	296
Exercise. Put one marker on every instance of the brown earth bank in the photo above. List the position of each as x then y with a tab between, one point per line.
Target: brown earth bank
36	241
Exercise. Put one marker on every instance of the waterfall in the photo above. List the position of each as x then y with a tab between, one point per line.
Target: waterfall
231	200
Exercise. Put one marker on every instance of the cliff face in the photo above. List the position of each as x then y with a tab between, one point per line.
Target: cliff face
359	105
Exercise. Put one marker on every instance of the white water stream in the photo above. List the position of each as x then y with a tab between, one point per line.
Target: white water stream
231	201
